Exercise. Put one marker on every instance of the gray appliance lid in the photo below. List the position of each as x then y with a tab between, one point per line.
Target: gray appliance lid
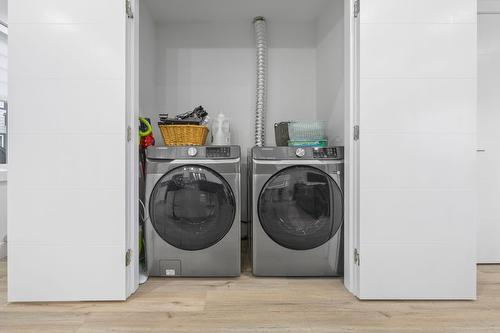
295	153
194	152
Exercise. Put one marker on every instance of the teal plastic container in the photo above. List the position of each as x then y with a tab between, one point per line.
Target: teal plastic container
308	143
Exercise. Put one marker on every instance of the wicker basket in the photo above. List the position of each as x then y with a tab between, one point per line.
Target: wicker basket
184	135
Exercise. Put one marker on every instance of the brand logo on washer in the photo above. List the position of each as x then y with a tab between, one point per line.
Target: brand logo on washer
170	272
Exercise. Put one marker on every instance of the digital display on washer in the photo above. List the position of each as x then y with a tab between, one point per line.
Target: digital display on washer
214	152
325	153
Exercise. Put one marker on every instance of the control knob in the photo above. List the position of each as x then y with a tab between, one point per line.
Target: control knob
192	151
300	152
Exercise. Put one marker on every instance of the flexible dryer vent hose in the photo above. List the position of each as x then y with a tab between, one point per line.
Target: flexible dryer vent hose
260	111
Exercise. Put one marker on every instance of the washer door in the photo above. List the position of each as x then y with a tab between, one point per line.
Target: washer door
301	208
192	207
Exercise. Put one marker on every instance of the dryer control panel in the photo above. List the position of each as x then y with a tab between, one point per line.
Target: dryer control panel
298	153
218	152
325	152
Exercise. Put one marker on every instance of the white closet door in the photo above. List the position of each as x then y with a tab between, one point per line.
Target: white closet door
417	149
488	241
67	127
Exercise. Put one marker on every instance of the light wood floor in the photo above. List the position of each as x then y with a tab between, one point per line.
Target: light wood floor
249	304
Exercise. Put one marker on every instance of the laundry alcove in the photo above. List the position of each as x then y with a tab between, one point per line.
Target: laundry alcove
203	53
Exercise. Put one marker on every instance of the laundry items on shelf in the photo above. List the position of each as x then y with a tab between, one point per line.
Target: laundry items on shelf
189	128
301	134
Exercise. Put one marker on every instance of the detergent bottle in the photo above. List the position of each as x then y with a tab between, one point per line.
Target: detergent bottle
221	134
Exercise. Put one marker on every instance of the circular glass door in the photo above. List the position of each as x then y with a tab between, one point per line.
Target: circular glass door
192	207
301	208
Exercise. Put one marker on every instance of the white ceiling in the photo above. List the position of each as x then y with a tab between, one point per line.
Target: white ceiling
235	10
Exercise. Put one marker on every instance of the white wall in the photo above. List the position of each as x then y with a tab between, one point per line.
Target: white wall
418	171
330	71
213	64
3	11
147	68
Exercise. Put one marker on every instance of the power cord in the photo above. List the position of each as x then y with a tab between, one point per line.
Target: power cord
143	212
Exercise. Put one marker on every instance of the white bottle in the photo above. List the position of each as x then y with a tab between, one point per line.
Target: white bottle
221	132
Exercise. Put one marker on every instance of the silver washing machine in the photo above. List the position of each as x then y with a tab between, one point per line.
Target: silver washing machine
193	200
297	211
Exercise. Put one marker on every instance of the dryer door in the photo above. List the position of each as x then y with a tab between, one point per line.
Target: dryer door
192	207
301	208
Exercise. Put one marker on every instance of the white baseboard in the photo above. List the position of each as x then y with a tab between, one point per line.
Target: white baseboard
3	250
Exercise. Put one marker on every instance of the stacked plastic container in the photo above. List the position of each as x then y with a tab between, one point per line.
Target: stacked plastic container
307	134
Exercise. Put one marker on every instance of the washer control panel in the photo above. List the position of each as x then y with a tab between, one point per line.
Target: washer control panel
325	152
218	152
193	152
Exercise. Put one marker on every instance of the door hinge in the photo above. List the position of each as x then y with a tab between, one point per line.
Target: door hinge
356	8
356	133
128	8
128	257
356	257
129	134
